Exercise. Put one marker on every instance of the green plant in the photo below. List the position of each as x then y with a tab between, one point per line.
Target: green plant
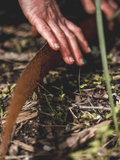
3	65
6	91
61	96
103	132
13	86
99	79
104	59
96	149
79	81
73	84
1	112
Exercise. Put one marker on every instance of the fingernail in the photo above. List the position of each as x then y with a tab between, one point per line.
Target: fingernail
89	49
71	59
57	45
81	61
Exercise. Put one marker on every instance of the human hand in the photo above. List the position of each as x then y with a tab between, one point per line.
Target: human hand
60	33
108	7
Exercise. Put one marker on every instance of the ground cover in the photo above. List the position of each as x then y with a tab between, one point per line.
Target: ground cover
61	117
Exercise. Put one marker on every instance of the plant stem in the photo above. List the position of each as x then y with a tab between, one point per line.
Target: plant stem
79	81
104	59
115	15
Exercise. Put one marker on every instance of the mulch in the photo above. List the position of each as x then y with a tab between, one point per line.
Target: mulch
59	118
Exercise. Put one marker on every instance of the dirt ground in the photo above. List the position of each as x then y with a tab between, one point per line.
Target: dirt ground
61	115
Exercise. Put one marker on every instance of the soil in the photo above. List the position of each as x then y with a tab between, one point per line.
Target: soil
61	115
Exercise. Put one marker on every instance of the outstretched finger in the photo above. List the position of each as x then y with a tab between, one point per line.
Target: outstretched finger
113	4
73	44
62	40
108	11
79	35
88	6
115	7
46	32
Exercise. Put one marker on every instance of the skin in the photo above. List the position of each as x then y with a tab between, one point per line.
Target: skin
60	33
109	7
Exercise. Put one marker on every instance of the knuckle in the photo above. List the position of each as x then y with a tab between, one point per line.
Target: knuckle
77	50
61	34
66	50
45	28
78	30
62	20
48	4
71	36
54	17
50	37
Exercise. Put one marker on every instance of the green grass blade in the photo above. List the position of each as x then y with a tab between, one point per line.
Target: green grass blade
79	81
104	59
115	15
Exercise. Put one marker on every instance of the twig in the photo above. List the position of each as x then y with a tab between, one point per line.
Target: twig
90	107
29	105
24	146
88	99
74	115
52	125
43	87
113	139
70	109
82	94
21	125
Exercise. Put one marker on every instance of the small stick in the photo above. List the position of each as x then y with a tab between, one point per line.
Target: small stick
106	144
90	107
70	109
43	88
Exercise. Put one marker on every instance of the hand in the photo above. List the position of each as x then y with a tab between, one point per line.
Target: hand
59	32
109	7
